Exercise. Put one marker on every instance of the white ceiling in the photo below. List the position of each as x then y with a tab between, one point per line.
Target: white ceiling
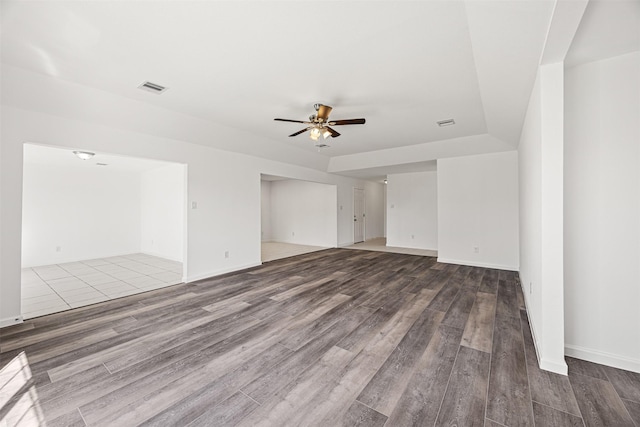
403	65
64	158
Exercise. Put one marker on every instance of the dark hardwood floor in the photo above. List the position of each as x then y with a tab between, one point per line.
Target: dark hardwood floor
331	338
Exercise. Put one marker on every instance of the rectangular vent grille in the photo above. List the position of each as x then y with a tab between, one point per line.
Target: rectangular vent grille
448	122
152	87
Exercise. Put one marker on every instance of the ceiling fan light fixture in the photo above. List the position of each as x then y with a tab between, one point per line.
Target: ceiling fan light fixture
318	124
315	134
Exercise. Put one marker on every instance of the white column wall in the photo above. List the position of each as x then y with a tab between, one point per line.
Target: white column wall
540	155
602	211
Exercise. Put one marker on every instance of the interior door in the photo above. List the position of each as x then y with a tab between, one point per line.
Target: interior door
358	215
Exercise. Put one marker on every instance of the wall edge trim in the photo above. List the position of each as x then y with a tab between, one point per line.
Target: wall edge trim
602	357
554	366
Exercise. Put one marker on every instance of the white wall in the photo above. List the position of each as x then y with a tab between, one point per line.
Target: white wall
530	192
162	201
412	211
602	211
265	211
84	212
478	210
541	212
303	213
225	185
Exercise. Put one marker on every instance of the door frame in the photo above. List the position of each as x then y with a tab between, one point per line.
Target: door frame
364	214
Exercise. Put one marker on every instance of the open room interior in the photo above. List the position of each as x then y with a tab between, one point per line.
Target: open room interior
297	217
97	228
198	269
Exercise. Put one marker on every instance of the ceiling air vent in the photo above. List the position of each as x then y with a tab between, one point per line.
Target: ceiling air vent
448	122
152	87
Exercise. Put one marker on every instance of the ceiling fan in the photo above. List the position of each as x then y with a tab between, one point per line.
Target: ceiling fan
319	124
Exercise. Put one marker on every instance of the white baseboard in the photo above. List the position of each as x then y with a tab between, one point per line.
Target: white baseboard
343	245
9	321
214	273
602	357
477	264
414	247
556	366
532	328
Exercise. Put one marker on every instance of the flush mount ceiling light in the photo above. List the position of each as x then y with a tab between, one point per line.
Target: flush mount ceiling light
448	122
84	155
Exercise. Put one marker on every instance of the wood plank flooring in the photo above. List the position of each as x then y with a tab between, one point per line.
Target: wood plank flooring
331	338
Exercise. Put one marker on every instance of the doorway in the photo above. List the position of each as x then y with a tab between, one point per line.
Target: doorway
98	226
297	217
358	215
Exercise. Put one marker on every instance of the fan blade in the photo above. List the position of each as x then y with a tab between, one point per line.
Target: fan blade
323	112
292	121
347	122
334	134
300	131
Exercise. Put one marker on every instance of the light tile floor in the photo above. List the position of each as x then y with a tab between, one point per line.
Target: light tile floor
52	288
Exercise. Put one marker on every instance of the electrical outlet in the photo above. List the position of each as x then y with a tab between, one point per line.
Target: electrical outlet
476	249
413	236
58	249
293	233
226	254
194	205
